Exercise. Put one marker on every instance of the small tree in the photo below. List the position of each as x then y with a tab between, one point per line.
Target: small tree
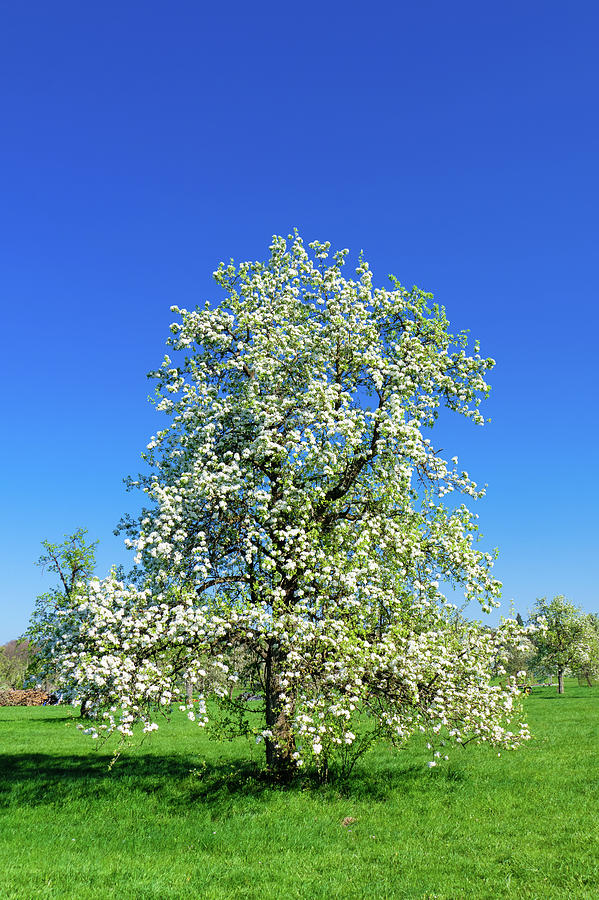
561	638
296	531
73	562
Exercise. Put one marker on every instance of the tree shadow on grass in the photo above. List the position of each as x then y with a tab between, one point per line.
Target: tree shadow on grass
38	778
178	781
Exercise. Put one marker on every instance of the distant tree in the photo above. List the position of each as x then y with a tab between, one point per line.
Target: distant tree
586	666
72	561
515	650
14	661
562	636
518	655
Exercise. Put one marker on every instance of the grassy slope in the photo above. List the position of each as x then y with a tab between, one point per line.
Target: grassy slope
180	817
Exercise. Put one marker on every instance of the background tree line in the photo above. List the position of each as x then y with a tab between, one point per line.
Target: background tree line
15	659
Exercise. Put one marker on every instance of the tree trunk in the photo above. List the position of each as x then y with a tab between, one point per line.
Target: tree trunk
188	691
560	681
281	746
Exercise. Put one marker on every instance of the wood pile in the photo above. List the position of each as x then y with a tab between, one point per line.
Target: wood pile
34	697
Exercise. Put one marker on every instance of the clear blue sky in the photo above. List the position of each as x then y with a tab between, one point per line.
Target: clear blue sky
456	143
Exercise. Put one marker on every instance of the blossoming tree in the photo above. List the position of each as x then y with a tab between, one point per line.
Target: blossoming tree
299	524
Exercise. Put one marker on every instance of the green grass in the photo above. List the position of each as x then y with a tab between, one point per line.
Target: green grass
181	817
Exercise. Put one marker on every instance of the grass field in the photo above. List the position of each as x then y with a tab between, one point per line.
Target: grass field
181	817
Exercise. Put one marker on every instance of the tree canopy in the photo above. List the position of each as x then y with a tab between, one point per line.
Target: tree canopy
300	523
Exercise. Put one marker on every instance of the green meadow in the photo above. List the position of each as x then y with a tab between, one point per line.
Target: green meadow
178	816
